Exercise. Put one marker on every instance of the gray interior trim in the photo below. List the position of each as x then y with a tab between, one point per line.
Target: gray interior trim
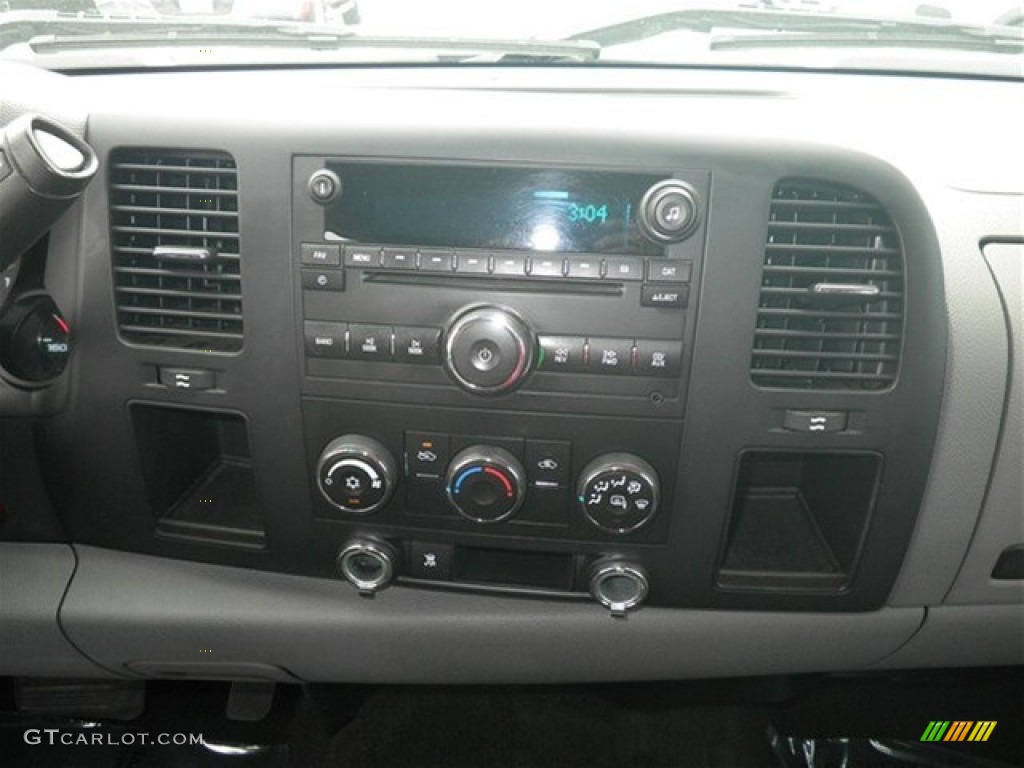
972	407
964	636
33	578
322	630
1002	520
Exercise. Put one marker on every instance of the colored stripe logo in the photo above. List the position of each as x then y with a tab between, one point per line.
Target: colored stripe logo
958	730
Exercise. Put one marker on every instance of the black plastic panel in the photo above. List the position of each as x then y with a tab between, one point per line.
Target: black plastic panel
692	428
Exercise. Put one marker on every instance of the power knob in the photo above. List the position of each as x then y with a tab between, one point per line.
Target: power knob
356	474
669	211
485	484
488	350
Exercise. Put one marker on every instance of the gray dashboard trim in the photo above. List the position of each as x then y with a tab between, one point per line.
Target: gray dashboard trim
1002	519
33	578
322	630
972	409
964	636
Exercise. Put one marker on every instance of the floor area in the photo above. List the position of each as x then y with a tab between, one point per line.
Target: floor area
801	722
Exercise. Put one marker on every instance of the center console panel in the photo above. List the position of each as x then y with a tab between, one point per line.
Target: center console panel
498	352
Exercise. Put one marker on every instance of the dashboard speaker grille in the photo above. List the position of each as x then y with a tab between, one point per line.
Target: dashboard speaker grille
175	247
831	308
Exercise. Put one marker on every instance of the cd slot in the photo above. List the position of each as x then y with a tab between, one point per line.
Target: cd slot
517	285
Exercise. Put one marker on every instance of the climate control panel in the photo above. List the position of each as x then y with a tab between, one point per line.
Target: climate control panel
485	484
551	477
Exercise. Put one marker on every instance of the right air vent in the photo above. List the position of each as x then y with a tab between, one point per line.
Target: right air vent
831	307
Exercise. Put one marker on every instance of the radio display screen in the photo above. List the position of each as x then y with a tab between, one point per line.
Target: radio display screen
481	207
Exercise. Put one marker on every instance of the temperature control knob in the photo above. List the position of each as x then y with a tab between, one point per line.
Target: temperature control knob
488	350
485	484
356	474
618	492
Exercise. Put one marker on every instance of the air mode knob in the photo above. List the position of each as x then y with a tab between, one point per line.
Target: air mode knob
356	474
618	492
485	484
669	211
488	350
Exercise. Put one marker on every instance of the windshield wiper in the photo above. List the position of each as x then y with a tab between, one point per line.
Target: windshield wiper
789	28
68	33
970	39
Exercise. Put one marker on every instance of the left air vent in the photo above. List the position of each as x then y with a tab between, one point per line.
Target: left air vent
175	248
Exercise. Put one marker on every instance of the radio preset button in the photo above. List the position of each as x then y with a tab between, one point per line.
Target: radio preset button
509	264
323	279
473	264
362	256
324	339
547	266
658	358
669	271
585	268
613	356
437	261
623	268
398	258
318	255
670	296
562	353
417	345
369	342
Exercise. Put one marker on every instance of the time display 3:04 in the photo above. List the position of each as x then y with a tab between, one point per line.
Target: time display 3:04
587	212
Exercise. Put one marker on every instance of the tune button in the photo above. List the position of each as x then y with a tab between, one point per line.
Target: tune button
669	211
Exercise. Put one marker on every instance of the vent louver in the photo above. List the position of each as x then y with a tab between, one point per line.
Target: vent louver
175	246
831	308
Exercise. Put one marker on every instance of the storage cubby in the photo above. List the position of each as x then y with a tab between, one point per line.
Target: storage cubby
198	474
798	520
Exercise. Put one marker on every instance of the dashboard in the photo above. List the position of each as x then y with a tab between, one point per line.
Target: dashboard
432	375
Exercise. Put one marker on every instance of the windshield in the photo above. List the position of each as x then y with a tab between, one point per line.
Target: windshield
949	36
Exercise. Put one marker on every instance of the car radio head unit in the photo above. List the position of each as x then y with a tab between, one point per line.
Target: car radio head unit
531	209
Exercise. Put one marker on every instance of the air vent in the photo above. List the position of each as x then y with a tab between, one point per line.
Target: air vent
174	238
831	309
